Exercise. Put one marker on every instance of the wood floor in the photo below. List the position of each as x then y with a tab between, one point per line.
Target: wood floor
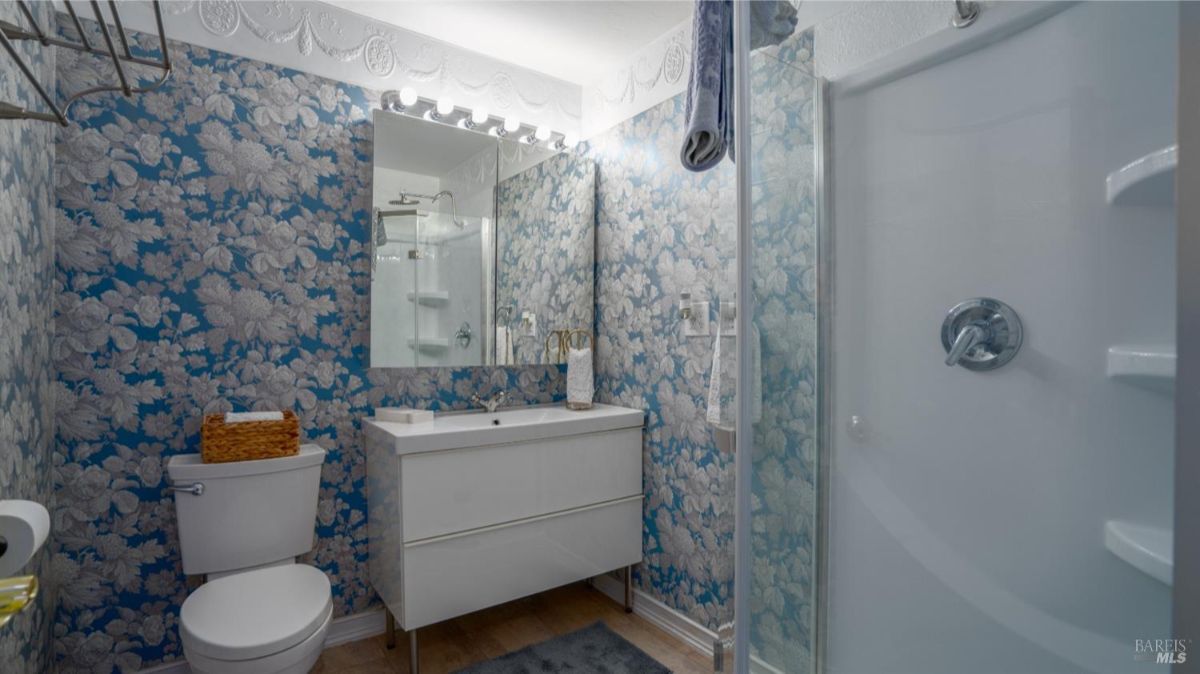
449	646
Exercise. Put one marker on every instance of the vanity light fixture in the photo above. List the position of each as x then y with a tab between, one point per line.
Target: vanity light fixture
509	126
398	101
542	133
566	142
444	107
475	118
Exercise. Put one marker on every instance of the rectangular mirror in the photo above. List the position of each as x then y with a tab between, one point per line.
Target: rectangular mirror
483	249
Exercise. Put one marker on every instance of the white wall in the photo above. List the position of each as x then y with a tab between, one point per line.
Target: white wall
968	512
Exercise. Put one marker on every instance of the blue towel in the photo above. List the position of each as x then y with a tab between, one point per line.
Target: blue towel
709	103
709	96
771	22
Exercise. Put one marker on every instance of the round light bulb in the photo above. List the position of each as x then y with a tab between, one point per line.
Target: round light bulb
570	141
408	96
445	105
542	133
479	115
512	124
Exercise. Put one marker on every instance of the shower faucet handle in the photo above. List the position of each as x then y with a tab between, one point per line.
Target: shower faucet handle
968	337
981	334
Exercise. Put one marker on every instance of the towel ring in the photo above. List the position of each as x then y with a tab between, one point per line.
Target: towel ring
559	349
585	339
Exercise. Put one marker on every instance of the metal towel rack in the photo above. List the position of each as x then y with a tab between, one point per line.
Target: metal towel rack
10	32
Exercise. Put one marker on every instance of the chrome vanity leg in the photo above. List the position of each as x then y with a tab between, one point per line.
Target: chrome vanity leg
390	629
628	589
414	663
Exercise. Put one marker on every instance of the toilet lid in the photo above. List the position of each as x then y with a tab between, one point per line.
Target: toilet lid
256	613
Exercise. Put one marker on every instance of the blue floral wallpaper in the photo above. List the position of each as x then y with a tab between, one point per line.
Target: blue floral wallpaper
662	230
26	322
545	247
211	254
210	247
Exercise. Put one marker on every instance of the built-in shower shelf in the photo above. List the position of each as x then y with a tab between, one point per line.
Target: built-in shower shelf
430	298
1148	363
1148	180
434	345
1148	549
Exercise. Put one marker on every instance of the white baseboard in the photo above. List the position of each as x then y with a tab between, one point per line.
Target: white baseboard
355	627
660	615
341	631
674	623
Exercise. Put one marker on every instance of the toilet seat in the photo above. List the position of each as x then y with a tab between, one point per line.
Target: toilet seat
255	614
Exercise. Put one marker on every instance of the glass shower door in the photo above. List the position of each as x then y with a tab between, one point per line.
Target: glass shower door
777	464
397	249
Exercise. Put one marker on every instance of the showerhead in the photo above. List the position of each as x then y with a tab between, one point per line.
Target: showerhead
404	200
412	199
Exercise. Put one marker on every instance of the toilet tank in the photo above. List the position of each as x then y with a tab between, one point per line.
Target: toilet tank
250	512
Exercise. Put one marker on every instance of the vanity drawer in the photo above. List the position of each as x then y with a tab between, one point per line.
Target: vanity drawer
448	577
457	490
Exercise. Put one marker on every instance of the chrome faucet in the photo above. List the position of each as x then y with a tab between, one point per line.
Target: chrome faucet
981	334
492	403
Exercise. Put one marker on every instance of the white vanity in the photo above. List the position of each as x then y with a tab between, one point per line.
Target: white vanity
473	510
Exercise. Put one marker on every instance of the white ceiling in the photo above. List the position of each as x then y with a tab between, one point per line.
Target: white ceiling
575	40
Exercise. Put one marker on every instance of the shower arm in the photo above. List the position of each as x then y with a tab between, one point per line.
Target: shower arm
433	198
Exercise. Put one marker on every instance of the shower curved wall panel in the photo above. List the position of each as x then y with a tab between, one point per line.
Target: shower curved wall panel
968	509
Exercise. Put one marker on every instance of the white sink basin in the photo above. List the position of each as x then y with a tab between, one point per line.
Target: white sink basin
454	430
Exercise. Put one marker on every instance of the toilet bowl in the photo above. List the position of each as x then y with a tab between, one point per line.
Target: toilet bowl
242	525
265	621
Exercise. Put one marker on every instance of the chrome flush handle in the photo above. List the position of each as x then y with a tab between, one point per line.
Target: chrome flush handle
195	489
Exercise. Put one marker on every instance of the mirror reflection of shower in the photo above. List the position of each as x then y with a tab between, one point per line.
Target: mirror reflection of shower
412	199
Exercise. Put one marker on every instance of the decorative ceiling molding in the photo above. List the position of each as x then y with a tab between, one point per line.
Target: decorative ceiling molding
331	42
654	74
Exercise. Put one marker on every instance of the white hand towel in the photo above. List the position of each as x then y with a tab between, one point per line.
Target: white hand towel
580	387
713	416
504	346
238	417
716	379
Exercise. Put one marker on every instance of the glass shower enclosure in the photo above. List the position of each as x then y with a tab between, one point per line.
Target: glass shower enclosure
956	356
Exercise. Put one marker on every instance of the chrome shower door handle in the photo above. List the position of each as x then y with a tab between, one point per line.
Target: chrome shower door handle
967	338
981	334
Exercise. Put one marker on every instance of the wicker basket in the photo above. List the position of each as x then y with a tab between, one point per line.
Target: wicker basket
248	440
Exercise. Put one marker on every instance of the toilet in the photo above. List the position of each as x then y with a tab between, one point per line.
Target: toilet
259	612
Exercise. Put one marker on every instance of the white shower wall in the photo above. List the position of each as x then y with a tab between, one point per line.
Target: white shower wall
967	509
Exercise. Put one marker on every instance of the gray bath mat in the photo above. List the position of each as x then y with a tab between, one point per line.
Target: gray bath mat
591	650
